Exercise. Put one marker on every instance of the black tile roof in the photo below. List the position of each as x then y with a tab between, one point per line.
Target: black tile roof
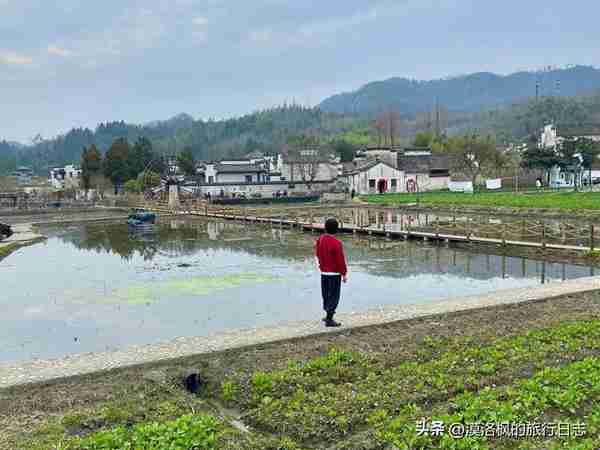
239	168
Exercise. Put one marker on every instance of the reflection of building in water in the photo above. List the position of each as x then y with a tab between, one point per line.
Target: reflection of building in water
215	229
175	224
392	220
405	259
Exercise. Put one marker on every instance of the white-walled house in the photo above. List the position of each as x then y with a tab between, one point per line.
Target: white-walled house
424	171
235	173
375	176
551	139
65	177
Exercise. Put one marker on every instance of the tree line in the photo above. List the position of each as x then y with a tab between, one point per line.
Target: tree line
266	131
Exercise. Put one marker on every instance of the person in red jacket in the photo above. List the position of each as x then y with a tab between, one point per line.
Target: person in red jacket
329	253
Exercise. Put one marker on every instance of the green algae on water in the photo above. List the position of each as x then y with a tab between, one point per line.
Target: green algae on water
196	286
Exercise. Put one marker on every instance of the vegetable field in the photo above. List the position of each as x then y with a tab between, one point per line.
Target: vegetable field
545	200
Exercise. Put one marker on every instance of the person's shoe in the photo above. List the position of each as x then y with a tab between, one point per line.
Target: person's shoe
332	323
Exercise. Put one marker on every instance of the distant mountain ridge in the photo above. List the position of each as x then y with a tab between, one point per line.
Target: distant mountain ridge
466	93
265	130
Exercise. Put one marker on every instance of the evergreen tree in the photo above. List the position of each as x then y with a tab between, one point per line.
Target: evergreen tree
186	162
116	167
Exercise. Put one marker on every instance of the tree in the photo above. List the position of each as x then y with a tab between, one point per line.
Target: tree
423	139
387	127
538	157
470	154
345	150
186	162
91	166
577	153
305	155
132	186
590	151
140	158
116	167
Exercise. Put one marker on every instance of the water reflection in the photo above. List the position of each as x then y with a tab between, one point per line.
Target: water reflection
374	255
110	287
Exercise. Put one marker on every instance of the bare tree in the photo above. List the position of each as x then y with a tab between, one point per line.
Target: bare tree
305	156
387	126
379	127
471	154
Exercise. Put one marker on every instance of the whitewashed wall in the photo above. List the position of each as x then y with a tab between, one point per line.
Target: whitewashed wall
360	182
325	172
427	183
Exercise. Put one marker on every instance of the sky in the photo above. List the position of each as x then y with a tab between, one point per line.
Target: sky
76	63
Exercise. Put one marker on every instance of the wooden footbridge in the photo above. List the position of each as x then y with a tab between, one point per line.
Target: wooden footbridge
399	224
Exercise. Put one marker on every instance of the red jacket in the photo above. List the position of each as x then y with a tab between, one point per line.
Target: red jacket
330	253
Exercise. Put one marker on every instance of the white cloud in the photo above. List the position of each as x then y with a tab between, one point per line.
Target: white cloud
59	51
14	59
200	21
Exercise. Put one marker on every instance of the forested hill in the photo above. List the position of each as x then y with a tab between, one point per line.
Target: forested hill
468	93
265	130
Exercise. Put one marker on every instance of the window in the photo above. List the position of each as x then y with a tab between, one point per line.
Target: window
439	173
248	178
394	183
372	184
211	180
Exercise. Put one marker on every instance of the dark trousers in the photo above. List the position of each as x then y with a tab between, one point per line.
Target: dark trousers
330	289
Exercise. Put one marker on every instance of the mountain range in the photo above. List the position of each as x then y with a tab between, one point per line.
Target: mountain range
466	94
502	104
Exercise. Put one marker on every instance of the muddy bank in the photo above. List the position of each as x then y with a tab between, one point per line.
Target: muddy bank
585	216
50	215
23	236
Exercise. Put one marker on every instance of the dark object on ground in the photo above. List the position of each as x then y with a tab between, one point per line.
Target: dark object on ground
184	265
193	382
5	230
332	323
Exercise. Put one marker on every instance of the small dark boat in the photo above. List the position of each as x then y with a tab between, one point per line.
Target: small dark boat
141	218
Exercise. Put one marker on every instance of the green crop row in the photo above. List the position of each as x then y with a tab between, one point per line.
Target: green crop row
568	393
550	200
187	432
336	395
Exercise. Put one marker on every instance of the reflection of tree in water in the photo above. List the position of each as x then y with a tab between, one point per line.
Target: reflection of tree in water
177	238
376	256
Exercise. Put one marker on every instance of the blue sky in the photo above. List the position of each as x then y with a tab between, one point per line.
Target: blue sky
66	63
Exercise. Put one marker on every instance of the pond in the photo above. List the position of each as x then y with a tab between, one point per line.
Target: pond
99	287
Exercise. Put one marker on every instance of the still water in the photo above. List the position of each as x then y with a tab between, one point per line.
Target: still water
99	287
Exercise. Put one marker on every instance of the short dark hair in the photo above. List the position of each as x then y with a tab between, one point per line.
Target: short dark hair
331	226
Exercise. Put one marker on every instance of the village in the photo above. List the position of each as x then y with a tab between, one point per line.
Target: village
315	171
